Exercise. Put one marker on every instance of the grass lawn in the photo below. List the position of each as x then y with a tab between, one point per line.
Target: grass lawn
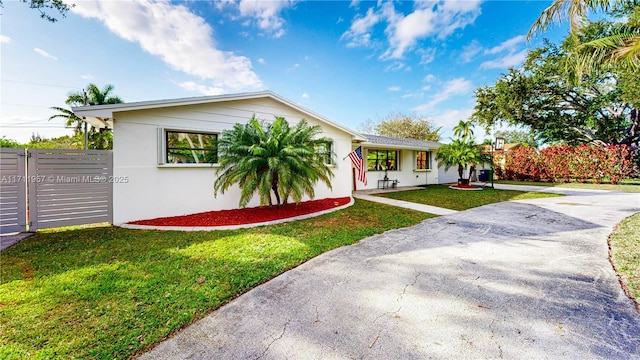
442	196
625	255
625	186
109	292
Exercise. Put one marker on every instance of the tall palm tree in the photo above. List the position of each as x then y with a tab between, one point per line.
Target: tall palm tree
463	130
92	95
70	117
271	158
622	48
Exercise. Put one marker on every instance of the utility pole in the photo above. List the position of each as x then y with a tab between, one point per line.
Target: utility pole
499	145
86	130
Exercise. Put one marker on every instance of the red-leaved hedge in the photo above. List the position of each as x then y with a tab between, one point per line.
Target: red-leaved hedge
563	163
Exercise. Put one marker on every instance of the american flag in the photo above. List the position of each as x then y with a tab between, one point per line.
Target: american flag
356	159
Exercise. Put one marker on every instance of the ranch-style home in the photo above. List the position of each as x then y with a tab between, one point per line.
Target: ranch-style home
165	156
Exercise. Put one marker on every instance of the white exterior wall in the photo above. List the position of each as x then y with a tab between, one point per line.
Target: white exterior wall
448	176
155	190
407	175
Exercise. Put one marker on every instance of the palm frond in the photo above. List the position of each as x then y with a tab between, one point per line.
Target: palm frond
575	11
621	48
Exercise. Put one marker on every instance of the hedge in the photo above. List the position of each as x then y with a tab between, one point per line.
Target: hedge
563	163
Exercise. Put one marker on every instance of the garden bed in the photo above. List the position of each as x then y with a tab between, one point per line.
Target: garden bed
247	215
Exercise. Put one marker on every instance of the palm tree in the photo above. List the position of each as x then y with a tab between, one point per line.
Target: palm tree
271	158
100	139
463	130
622	47
70	117
93	96
460	152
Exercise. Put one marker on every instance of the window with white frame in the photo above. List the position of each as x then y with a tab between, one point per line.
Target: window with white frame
423	160
190	147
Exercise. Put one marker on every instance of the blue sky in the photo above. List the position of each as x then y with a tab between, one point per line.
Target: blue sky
347	60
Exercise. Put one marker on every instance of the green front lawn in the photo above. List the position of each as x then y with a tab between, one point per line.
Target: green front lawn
109	292
625	254
442	196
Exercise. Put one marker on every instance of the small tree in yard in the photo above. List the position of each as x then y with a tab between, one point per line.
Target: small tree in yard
460	152
266	158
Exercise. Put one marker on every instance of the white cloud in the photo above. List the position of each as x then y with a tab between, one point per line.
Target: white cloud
305	96
45	54
450	118
429	78
397	66
451	88
359	31
261	61
5	39
427	55
266	14
180	38
470	51
87	77
509	45
510	60
394	88
428	20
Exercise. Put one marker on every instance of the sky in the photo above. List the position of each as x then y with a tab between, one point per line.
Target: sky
349	61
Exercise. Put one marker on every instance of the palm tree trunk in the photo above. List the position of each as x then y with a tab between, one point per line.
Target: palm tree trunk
274	187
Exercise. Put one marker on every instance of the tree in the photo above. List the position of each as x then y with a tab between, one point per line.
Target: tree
9	143
460	152
621	47
543	96
517	136
70	118
93	96
43	6
97	138
266	158
463	130
403	125
61	142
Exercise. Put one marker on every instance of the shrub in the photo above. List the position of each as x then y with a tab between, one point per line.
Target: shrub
563	163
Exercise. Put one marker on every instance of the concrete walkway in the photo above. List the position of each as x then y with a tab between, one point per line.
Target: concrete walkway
369	196
525	279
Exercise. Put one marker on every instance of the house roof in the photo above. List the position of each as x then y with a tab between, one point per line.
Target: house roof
399	143
103	115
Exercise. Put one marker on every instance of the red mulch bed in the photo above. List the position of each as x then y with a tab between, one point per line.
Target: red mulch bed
247	215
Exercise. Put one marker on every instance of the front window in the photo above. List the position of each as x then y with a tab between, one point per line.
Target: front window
382	160
191	148
323	151
423	160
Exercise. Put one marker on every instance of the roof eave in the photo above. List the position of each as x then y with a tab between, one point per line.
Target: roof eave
399	147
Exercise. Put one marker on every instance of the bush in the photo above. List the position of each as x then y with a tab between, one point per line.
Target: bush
565	163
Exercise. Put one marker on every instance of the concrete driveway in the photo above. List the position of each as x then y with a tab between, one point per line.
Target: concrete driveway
528	279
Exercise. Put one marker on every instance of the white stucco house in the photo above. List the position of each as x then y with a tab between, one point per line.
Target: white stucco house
165	162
